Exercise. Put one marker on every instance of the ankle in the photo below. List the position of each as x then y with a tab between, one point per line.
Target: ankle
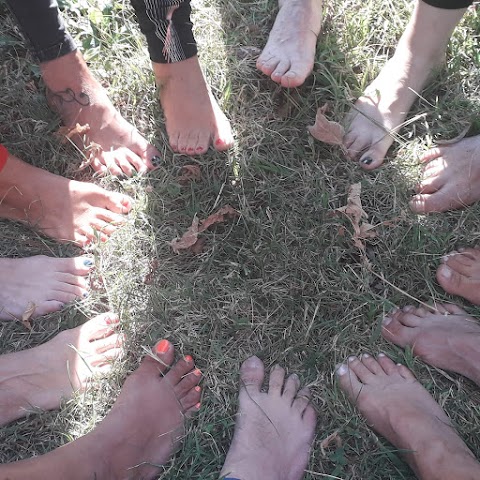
68	71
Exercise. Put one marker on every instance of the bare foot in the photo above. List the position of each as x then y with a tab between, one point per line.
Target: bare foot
397	407
447	339
459	274
137	436
274	431
40	377
194	119
65	210
43	282
451	177
111	144
290	51
380	112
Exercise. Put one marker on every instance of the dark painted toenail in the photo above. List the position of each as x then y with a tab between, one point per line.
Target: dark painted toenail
156	161
88	263
85	295
366	160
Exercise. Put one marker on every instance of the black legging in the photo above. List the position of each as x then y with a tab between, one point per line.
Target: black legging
165	23
449	4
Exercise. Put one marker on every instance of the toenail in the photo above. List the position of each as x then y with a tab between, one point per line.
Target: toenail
197	388
381	355
111	320
446	272
407	308
198	405
352	358
366	160
199	149
342	369
188	358
156	161
88	263
85	294
162	346
386	321
399	365
365	355
197	372
190	149
393	311
219	141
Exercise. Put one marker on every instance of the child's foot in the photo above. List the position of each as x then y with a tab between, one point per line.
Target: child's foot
274	430
290	51
451	177
194	119
111	144
40	377
43	283
459	274
397	407
65	210
447	339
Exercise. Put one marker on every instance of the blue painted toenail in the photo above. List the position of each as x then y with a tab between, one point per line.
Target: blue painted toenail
88	263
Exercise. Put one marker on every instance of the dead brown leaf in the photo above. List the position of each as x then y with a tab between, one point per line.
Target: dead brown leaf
199	245
66	133
190	237
27	315
326	442
355	213
190	173
152	268
325	130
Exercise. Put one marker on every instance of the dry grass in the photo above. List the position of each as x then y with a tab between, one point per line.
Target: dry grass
280	282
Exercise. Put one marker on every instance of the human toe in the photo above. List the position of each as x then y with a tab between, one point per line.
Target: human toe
177	373
360	370
387	364
302	400
374	156
189	381
277	378
396	332
252	373
191	398
267	65
280	70
292	79
290	389
372	364
348	381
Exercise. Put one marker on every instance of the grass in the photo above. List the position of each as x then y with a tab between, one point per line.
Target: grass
281	282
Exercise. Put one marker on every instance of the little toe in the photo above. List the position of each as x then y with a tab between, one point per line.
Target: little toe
372	364
277	378
292	384
189	381
302	400
252	373
310	418
388	365
191	398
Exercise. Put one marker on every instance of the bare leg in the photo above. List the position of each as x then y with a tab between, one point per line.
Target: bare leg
45	282
290	51
138	435
400	409
40	377
65	210
274	430
451	177
79	98
447	339
194	119
459	274
385	103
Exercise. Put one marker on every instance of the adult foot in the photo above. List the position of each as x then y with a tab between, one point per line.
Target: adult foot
194	119
65	210
380	112
137	436
40	377
110	143
274	431
41	284
290	51
397	407
459	274
445	339
451	177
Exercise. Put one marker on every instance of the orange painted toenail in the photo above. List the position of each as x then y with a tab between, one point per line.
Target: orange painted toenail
197	372
219	142
188	358
198	405
197	389
162	346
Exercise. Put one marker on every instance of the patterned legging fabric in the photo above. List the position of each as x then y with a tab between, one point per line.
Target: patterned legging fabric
165	24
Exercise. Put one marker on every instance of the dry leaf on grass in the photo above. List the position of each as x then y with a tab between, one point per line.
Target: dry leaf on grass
93	149
355	213
152	268
190	238
326	442
189	173
27	315
65	133
326	130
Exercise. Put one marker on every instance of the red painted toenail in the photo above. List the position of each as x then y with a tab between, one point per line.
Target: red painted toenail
188	359
198	405
190	149
162	346
197	372
199	149
219	142
197	389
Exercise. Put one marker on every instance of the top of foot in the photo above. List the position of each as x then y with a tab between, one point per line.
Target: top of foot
274	430
290	51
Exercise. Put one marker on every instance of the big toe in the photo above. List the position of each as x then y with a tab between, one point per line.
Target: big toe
396	332
375	155
455	282
160	359
252	373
